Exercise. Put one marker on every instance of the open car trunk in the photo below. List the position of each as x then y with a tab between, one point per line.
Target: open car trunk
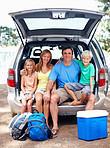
33	49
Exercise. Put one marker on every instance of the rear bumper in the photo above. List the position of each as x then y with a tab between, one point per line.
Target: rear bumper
64	109
15	107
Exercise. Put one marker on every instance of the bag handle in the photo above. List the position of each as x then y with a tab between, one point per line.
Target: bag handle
35	111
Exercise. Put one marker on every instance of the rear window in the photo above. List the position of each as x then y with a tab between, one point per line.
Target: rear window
47	23
56	51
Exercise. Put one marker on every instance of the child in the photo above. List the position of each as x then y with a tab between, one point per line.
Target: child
28	86
86	82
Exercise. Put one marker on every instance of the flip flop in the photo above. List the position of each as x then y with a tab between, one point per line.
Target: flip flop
55	131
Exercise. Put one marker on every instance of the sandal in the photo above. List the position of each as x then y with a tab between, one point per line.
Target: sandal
55	131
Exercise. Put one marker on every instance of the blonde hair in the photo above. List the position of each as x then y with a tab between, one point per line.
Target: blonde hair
39	65
86	53
25	64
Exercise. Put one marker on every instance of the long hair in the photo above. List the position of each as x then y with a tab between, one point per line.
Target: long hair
40	64
25	64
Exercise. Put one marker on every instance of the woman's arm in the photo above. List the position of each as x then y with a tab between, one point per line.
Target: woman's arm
62	60
23	72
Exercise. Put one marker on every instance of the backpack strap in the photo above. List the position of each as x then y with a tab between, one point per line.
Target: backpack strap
24	136
49	133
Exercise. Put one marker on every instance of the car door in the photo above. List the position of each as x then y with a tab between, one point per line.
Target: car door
57	22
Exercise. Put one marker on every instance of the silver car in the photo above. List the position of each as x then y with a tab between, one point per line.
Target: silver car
52	29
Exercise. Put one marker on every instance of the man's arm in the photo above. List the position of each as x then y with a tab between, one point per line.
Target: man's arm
62	60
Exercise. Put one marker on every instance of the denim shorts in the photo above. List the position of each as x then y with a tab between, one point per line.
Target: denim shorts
22	96
79	86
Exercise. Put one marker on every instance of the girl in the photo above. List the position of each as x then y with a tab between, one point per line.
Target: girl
28	86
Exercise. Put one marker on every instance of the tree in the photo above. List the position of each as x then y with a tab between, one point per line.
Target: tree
8	36
104	38
104	5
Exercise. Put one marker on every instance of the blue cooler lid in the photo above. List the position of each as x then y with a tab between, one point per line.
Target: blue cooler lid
92	113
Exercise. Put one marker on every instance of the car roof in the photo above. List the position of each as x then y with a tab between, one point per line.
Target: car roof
56	22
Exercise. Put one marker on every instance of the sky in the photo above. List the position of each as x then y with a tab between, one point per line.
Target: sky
8	6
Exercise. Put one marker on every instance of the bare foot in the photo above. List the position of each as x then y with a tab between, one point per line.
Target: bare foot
55	131
75	103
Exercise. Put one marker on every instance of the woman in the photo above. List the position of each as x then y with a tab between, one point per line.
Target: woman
43	68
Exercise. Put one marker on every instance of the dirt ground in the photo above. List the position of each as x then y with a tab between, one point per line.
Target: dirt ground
67	136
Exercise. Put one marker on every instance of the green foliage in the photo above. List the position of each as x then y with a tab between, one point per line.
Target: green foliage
104	36
8	36
104	5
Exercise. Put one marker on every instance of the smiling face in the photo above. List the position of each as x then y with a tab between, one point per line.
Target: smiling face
29	66
67	55
46	58
86	60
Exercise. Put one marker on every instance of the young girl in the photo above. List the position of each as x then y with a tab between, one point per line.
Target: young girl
28	86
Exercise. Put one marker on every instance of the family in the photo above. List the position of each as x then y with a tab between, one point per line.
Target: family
39	82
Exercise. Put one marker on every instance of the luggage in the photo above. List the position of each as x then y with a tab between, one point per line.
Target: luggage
37	127
18	126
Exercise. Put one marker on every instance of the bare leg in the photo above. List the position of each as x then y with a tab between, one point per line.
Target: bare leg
24	106
46	112
54	110
79	102
91	102
39	97
30	105
71	93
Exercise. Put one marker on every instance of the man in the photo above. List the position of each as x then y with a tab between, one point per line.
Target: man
66	71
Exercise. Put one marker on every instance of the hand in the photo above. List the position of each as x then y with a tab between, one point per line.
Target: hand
46	97
28	97
23	72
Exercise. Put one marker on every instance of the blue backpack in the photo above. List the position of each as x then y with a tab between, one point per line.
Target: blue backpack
37	127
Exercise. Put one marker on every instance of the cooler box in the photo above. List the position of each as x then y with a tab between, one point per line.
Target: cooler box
92	124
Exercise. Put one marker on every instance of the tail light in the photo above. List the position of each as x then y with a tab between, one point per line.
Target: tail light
11	78
102	80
